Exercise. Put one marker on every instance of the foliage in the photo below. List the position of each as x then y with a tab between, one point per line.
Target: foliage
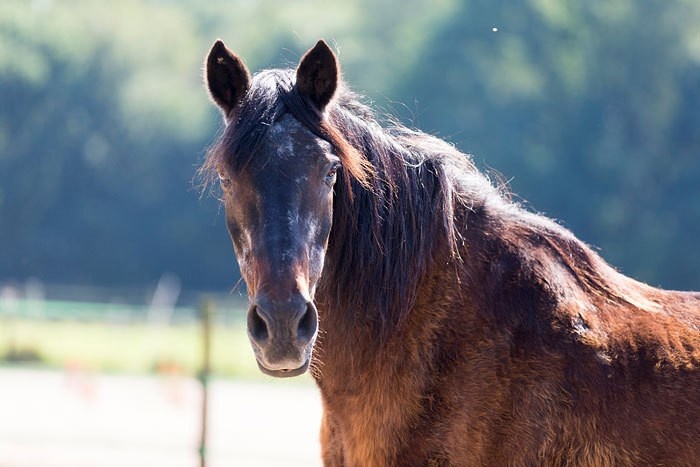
589	106
100	127
590	110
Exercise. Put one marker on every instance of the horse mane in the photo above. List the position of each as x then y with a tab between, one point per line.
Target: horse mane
401	205
386	238
393	204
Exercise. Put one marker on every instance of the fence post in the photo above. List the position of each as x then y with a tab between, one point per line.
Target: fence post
207	310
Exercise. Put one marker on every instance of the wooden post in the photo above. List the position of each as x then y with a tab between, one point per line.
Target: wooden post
207	310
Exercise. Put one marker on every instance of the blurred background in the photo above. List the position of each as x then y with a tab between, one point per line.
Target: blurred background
108	246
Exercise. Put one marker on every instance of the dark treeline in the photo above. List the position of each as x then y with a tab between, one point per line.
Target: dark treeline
588	109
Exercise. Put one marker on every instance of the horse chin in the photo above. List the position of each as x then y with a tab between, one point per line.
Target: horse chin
285	373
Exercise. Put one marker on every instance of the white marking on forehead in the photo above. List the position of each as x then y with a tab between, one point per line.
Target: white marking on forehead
284	125
281	133
283	136
285	147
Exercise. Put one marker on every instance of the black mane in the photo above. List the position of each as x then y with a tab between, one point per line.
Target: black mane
386	229
392	221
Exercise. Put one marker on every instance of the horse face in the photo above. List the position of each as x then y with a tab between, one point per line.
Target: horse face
279	213
279	208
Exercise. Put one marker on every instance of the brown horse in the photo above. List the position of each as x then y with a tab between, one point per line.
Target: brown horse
444	324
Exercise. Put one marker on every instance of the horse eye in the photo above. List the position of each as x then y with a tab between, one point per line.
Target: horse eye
224	181
330	177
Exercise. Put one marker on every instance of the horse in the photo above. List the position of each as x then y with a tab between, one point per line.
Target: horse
443	323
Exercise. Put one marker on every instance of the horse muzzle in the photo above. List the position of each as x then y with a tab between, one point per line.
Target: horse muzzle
282	334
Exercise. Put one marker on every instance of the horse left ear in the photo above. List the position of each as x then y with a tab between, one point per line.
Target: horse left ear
317	75
227	78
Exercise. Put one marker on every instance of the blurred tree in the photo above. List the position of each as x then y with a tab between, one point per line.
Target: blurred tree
100	125
591	108
103	119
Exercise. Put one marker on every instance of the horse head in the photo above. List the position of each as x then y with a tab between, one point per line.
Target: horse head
277	177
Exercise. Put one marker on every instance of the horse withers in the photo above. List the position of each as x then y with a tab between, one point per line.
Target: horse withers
444	324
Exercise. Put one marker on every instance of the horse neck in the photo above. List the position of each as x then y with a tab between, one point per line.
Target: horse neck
356	342
351	346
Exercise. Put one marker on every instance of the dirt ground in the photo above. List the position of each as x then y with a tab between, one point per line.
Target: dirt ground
78	419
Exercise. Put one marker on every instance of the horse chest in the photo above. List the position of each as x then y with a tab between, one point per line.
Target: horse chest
375	412
366	427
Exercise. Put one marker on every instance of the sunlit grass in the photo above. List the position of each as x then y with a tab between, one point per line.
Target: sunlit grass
117	337
120	338
132	348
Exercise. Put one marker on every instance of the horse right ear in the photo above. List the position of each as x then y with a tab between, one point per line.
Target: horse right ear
227	78
317	75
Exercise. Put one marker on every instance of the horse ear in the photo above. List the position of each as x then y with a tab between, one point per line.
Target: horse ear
227	78
317	75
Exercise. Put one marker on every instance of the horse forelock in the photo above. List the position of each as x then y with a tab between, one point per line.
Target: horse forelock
272	95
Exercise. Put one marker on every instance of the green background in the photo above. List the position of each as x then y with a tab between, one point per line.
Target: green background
589	110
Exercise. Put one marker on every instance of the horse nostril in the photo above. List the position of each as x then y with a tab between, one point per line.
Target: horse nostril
307	324
257	325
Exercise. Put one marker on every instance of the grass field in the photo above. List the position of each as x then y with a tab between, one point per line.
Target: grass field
130	346
125	392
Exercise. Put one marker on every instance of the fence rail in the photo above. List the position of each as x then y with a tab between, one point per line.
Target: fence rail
164	303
